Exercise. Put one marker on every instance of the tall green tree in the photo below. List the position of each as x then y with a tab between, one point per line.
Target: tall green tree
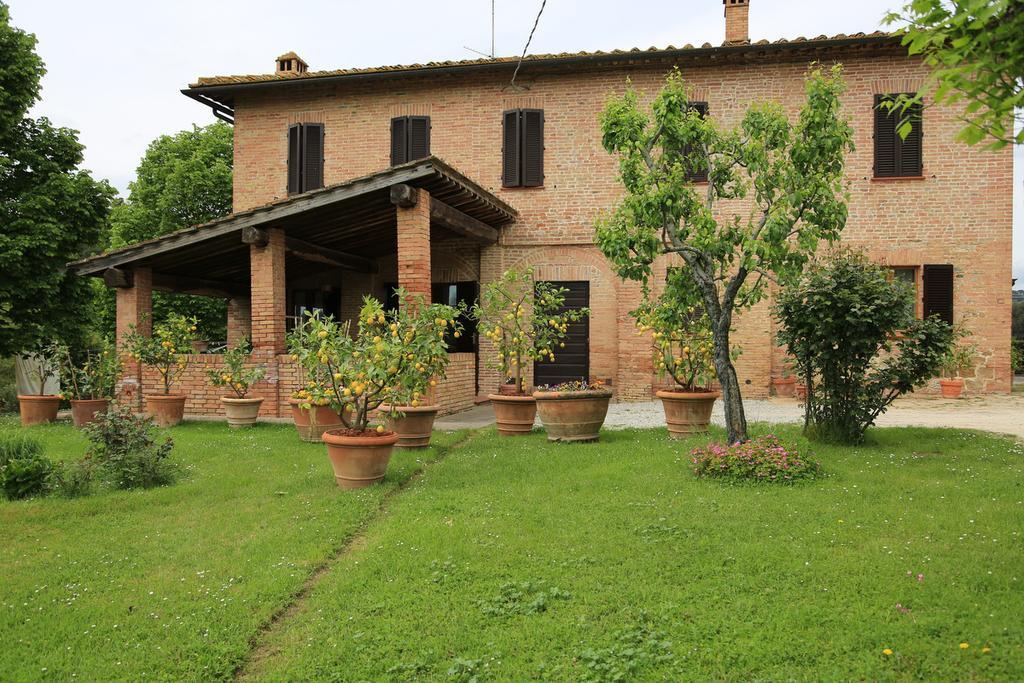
182	180
51	211
789	176
975	49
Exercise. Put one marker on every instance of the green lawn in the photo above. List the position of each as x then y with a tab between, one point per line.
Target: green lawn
515	559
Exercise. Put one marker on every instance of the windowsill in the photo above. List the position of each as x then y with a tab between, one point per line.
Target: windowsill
515	188
896	178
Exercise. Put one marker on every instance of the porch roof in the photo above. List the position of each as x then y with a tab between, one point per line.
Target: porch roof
346	225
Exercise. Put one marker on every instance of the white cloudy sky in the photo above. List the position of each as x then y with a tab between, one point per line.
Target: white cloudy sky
115	66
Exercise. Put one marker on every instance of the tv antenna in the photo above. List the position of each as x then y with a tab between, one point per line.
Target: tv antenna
484	54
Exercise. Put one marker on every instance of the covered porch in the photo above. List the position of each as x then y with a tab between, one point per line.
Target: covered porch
420	226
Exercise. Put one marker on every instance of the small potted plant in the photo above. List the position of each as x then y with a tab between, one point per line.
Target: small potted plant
39	408
241	409
90	383
957	362
526	322
785	384
366	374
573	411
682	347
163	352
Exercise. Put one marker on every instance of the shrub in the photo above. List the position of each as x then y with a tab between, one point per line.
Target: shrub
235	375
765	458
1017	355
24	470
851	328
124	451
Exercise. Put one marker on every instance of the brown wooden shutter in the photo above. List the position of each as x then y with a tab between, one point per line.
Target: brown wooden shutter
313	156
885	140
294	158
909	150
699	174
938	291
510	149
533	147
419	137
399	137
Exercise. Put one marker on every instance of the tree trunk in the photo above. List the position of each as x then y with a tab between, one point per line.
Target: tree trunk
735	418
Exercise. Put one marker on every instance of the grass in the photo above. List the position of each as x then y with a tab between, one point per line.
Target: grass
514	559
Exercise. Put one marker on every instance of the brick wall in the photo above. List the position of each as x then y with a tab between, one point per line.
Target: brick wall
958	213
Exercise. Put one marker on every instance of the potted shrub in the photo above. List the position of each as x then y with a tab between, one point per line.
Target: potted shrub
785	385
955	364
682	347
573	411
162	352
89	384
240	408
40	408
367	373
311	420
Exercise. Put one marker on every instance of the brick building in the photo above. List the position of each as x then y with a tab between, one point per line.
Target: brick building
345	184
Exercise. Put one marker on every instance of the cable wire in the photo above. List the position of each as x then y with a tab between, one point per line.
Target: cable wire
528	41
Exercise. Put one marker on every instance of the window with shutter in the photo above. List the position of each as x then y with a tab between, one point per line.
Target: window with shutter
410	138
896	157
399	140
699	172
305	157
522	148
937	281
510	155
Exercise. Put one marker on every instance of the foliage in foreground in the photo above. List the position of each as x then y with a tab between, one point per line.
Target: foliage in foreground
765	458
125	452
856	342
790	172
166	350
24	470
235	375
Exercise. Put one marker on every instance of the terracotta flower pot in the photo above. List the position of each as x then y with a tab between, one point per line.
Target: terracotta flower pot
414	426
508	390
951	388
785	387
801	391
241	412
573	415
166	410
359	461
514	414
687	412
312	423
85	410
37	409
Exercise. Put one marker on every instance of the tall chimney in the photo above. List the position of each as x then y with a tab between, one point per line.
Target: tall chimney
737	25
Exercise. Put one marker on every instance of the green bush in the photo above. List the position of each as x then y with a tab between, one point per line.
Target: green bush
24	470
765	458
125	453
850	326
8	390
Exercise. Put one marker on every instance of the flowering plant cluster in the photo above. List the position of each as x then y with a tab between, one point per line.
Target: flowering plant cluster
765	458
575	385
166	350
525	320
234	375
391	360
93	376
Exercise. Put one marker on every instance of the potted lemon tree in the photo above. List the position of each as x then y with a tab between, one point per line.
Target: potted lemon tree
41	407
238	376
366	374
166	352
90	382
957	362
525	321
573	411
682	348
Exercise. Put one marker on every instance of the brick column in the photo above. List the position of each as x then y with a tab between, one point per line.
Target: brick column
414	244
134	310
239	320
267	312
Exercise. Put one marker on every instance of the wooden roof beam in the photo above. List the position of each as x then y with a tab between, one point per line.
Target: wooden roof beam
460	223
307	251
184	284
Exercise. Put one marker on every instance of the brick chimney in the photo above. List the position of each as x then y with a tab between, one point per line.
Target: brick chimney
737	25
290	63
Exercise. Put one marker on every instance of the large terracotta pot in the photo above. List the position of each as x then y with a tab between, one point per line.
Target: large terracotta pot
37	409
359	461
951	388
801	391
413	426
85	410
785	387
241	412
687	412
166	410
573	415
312	423
514	414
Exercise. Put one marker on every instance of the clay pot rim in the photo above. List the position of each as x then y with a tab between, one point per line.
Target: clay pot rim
166	397
386	439
39	397
411	409
687	395
511	398
572	395
242	401
951	381
90	400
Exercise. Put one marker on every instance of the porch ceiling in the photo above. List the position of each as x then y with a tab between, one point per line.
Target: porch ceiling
349	222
